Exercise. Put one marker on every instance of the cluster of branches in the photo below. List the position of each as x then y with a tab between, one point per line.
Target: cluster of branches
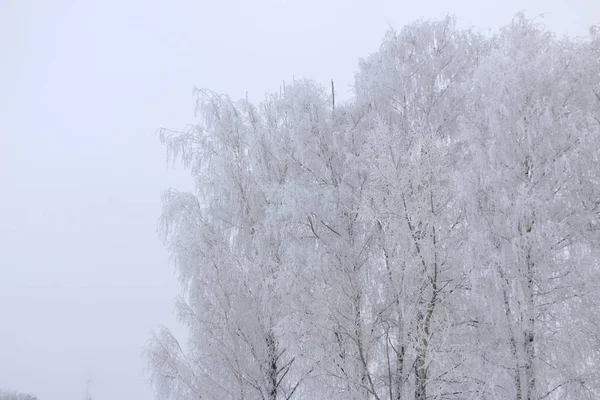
436	237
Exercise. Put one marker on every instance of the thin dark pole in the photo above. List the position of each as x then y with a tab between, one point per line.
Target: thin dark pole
332	95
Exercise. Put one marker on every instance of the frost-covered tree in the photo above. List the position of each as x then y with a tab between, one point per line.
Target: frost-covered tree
436	237
226	243
12	395
414	91
536	180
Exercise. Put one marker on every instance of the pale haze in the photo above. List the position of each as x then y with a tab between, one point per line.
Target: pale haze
84	87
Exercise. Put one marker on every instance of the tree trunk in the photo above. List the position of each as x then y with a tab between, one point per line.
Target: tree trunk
530	332
511	332
399	371
272	365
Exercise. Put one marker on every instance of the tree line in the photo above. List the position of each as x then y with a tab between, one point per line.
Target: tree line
435	237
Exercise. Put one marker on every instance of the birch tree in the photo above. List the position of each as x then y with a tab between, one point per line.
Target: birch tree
415	89
229	259
537	196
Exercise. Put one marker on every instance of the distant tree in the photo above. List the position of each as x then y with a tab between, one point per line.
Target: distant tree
13	395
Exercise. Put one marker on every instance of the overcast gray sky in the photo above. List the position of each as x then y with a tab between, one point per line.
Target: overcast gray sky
84	85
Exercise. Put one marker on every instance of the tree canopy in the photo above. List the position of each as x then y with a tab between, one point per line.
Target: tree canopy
435	237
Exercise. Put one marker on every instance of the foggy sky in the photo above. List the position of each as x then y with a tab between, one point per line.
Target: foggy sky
84	85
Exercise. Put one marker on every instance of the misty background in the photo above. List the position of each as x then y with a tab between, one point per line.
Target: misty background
84	86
